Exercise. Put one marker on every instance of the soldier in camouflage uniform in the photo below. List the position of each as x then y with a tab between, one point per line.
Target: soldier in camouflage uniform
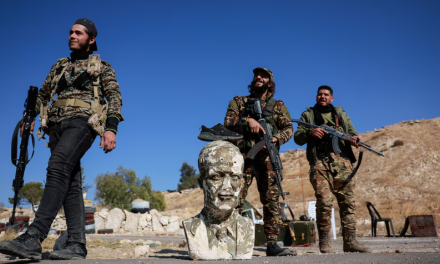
70	137
238	120
329	171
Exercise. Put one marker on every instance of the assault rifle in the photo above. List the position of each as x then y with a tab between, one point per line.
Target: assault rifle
22	161
255	110
335	135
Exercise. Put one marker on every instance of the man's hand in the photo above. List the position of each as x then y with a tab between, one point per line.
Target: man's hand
254	126
108	140
22	128
355	142
318	132
274	140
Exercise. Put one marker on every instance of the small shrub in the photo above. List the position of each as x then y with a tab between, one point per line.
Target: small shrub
398	143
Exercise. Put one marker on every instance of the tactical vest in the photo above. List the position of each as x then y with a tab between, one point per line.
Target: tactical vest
267	111
311	145
98	111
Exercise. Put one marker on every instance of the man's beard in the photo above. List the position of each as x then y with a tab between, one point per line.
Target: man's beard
259	89
82	46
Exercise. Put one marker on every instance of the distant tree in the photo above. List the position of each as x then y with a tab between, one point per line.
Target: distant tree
30	193
156	198
121	188
85	186
188	177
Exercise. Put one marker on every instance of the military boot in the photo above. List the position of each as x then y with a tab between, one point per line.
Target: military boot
25	246
73	250
350	242
273	250
324	242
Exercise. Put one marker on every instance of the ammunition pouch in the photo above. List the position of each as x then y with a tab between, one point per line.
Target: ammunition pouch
44	119
99	117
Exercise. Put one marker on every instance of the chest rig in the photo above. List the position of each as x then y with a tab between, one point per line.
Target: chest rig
245	107
98	107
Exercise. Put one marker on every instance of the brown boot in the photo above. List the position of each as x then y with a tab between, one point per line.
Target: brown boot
324	242
350	242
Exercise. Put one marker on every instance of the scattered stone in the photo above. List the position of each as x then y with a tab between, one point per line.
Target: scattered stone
141	251
125	242
173	227
156	213
164	220
103	213
131	224
143	222
157	226
99	222
114	219
148	217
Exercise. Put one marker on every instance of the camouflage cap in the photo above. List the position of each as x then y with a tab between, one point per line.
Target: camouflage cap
264	70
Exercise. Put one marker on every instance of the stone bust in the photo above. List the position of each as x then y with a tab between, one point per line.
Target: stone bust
219	231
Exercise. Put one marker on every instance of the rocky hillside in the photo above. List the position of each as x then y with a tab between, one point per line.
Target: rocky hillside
405	182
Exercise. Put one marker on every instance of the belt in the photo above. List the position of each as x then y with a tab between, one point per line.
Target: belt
71	102
326	158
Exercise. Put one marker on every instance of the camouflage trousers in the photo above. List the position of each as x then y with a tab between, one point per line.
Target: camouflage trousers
261	169
327	180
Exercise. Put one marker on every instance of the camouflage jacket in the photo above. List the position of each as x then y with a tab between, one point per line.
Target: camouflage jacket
83	91
303	136
283	129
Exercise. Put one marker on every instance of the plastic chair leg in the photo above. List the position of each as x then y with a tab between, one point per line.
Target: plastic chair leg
387	224
375	228
392	228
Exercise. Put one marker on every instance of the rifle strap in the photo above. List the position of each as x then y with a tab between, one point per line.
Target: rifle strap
15	142
361	154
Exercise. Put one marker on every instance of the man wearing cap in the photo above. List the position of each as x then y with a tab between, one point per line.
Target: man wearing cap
238	120
70	137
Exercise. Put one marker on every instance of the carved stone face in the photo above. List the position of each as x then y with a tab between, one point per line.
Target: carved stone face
221	167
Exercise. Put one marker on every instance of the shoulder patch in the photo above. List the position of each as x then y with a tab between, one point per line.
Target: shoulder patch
280	103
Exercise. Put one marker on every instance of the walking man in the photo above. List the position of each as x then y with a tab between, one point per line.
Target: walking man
72	121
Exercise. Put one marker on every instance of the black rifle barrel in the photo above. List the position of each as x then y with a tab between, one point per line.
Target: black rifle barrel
274	155
21	162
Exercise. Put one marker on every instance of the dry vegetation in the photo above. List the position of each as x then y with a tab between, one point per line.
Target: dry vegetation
405	182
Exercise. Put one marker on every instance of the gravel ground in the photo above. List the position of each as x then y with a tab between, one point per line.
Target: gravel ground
106	249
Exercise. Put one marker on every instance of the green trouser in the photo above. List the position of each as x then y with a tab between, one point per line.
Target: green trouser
261	169
327	180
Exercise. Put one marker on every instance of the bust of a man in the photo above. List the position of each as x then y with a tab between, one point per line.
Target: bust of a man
219	231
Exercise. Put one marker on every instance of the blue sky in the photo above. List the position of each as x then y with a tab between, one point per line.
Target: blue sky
179	63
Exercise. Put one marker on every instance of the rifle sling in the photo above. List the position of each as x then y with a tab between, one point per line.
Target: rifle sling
15	142
361	154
